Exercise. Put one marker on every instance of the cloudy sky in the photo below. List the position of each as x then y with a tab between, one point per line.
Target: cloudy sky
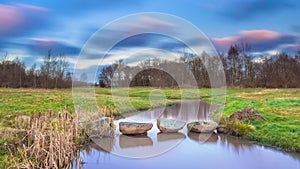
29	28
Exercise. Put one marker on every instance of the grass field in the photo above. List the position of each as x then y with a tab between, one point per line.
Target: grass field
281	107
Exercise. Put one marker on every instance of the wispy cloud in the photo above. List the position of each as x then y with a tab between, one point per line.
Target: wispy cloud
20	19
259	40
155	22
32	7
32	28
42	45
11	17
146	23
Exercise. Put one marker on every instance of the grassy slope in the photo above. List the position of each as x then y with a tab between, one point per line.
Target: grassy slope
14	102
281	107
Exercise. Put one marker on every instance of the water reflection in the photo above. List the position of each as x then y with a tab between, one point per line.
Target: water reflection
126	141
188	111
191	110
105	143
194	148
203	137
161	137
157	143
235	144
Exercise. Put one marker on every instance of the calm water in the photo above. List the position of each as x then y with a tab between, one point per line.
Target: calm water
183	149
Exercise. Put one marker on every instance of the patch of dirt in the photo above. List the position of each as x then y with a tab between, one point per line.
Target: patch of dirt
246	114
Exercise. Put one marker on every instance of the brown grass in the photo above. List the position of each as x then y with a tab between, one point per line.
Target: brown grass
52	141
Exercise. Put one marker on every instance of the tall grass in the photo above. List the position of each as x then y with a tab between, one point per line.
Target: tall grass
52	141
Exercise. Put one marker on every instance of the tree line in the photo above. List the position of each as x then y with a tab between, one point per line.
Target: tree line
241	69
53	73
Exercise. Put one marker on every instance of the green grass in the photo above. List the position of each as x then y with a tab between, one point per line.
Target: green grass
281	107
14	102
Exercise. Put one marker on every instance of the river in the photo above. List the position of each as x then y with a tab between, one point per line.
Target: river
183	149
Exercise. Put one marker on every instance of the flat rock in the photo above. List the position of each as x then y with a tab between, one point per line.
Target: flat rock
133	128
202	126
170	125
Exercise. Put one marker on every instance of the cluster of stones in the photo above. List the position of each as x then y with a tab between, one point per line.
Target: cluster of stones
167	126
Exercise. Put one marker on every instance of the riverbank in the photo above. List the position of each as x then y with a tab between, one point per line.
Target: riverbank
280	108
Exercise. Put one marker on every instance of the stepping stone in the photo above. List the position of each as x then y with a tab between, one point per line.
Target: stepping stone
170	125
202	126
133	128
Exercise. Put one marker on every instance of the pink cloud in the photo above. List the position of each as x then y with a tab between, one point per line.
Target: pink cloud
144	24
155	22
223	43
15	17
259	35
10	17
259	39
42	42
42	45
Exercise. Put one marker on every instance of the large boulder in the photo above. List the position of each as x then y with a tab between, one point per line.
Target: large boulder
101	127
170	125
202	126
133	128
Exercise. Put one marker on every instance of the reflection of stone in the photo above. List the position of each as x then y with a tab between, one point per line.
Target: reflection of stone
132	128
105	143
170	136
170	125
203	137
202	126
126	141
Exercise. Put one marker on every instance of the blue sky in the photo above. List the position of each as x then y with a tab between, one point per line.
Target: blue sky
28	28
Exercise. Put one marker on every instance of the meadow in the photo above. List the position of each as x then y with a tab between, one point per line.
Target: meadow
280	108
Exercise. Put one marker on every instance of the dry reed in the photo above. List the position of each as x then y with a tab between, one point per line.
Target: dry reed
52	141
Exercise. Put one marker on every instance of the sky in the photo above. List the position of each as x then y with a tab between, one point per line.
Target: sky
29	28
